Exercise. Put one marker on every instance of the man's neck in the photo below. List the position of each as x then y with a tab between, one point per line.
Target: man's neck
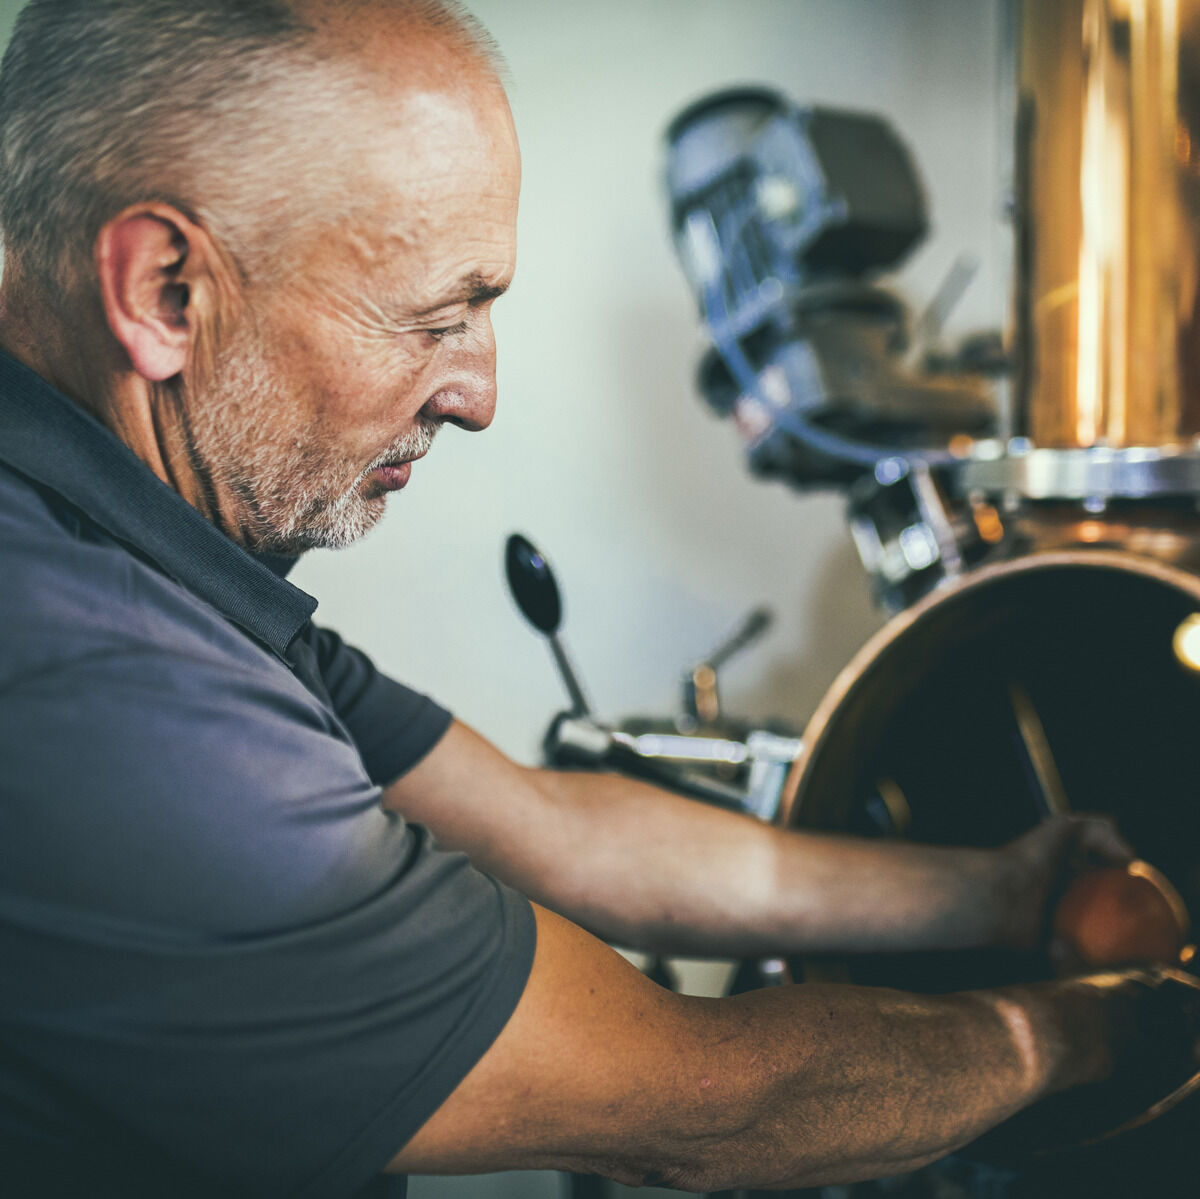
33	335
84	365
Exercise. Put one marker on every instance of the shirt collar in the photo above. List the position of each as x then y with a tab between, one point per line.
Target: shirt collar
57	443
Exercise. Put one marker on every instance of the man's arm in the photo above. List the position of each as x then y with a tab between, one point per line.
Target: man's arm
601	1071
643	867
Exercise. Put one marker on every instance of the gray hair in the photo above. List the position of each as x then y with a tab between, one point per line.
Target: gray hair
217	107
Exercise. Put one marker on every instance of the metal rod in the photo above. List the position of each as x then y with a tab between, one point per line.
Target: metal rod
579	703
896	803
754	625
1037	748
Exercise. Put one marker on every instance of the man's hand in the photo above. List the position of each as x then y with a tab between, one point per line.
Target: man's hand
1146	1031
1037	868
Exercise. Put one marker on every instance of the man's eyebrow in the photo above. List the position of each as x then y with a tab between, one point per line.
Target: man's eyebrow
474	289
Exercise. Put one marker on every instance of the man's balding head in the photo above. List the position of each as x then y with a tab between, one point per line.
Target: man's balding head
228	110
260	241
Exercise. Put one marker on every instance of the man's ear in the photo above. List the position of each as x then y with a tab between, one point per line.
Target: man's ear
157	274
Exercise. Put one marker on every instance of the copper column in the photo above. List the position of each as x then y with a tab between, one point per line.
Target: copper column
1108	196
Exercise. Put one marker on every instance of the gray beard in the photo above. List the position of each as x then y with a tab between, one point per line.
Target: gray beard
288	488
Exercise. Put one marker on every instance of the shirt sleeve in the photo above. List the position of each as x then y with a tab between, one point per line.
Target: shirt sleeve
226	968
393	726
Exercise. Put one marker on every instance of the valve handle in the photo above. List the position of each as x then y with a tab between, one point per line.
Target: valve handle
532	584
535	590
752	627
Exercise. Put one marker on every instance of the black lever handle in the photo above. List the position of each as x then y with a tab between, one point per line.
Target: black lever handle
535	590
753	626
532	584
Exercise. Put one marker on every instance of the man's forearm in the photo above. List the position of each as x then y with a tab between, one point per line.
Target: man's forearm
599	1070
655	871
646	868
872	1082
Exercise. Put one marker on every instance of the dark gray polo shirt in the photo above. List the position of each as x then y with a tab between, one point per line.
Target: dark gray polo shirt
224	969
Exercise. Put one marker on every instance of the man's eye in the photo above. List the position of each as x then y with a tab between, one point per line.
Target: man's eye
448	331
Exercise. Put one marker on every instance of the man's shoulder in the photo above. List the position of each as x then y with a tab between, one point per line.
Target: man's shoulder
58	579
122	692
69	591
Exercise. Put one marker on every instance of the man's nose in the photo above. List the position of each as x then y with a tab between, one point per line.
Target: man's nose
466	386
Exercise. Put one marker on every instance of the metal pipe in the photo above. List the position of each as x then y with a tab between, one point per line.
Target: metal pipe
1107	201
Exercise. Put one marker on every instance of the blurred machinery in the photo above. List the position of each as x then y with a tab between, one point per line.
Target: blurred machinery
700	752
1026	504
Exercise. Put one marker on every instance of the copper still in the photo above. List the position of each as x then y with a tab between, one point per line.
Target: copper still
1080	612
1084	596
1043	560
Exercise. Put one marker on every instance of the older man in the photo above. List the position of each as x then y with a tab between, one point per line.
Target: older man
251	252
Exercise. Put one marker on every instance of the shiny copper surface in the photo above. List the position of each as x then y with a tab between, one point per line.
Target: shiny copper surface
1167	534
1108	194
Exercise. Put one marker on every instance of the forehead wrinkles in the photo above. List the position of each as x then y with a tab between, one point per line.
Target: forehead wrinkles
410	163
429	233
442	225
424	189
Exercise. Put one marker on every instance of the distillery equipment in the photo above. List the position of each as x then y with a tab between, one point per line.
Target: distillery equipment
1026	504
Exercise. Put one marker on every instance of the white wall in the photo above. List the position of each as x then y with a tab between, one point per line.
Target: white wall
601	452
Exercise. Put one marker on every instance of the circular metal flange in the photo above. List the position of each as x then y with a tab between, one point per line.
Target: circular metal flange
1134	473
868	673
